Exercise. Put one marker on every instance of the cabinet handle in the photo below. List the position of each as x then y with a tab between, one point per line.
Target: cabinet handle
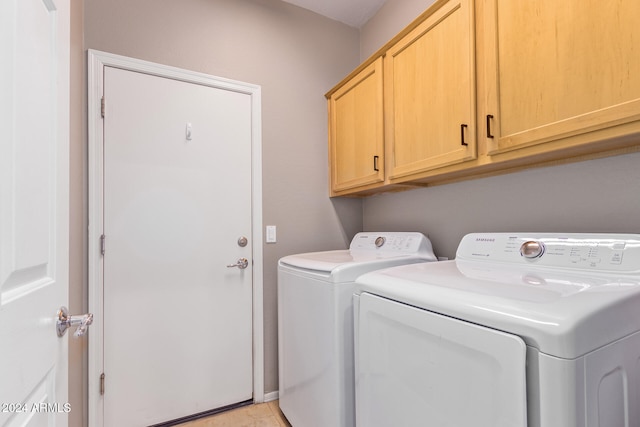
462	129
375	164
489	117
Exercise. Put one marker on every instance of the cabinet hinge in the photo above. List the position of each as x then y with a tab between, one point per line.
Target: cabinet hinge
102	244
102	384
102	107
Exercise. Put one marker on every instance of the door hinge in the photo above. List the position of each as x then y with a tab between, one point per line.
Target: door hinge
102	107
102	244
102	384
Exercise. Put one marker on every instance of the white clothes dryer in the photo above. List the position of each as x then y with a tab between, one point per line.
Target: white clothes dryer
521	329
315	323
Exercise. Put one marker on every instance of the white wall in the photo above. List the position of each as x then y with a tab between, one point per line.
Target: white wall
296	56
592	196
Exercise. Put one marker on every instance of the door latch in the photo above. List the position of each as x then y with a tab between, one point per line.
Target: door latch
65	321
242	263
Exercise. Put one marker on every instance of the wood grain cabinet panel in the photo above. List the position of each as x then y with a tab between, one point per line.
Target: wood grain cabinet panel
356	144
478	87
430	93
558	69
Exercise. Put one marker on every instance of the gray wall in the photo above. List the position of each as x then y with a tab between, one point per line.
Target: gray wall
295	55
390	19
592	196
77	216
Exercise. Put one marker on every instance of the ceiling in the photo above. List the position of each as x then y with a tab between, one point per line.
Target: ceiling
354	13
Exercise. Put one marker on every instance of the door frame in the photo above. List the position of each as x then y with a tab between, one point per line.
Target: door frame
97	60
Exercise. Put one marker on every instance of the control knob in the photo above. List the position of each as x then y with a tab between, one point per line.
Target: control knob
532	249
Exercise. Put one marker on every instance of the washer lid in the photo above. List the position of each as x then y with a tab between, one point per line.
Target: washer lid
561	312
330	260
368	251
344	265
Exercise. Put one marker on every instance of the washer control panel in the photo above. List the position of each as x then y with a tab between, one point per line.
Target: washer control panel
606	252
380	241
391	242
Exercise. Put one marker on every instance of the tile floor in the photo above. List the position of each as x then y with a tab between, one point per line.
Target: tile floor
261	415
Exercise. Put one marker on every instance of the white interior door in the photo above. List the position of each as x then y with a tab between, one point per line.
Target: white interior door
177	199
34	211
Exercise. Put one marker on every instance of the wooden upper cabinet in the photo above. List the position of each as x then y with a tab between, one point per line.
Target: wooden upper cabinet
430	93
356	131
559	69
556	80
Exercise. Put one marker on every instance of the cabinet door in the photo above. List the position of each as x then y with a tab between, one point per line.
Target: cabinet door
557	69
356	131
430	93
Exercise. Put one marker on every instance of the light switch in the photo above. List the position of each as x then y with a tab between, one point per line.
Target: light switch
271	233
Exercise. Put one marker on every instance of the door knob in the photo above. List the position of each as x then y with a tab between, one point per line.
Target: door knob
242	263
65	321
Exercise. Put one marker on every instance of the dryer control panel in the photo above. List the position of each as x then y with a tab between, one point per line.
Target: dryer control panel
594	251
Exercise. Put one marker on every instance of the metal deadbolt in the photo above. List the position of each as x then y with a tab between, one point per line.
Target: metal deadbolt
242	241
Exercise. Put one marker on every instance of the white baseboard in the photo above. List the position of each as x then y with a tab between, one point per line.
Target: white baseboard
268	397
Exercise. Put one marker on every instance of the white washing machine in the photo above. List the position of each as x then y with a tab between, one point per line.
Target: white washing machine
521	329
315	323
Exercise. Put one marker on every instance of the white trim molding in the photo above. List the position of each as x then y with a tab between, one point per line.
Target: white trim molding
269	397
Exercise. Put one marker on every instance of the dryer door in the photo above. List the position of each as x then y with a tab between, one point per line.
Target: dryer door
417	367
